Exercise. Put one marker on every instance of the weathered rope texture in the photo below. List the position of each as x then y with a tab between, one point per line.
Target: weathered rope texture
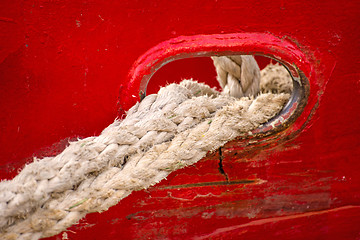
238	75
165	132
274	79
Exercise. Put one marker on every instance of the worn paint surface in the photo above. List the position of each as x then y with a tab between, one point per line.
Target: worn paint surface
64	66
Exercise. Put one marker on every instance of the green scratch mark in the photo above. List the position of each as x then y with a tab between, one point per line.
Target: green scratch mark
79	203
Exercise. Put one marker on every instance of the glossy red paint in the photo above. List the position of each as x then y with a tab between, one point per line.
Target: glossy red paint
64	66
208	45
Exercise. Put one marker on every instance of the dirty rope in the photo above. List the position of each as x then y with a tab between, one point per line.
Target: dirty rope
166	131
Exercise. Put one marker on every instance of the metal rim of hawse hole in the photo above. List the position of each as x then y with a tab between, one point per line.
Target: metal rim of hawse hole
291	111
295	105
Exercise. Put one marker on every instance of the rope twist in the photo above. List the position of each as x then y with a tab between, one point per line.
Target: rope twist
166	131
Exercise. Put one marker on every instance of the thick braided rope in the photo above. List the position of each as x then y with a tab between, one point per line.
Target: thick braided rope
275	79
165	132
238	75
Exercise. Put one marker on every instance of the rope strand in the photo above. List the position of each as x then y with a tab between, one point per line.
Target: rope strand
166	131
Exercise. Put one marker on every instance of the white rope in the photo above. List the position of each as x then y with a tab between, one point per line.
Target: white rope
165	132
238	75
275	79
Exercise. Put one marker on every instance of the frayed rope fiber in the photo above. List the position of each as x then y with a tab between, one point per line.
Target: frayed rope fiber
166	131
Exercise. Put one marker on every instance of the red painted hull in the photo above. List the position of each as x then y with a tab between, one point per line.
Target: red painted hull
68	68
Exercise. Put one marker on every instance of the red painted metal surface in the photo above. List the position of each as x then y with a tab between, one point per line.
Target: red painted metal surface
64	66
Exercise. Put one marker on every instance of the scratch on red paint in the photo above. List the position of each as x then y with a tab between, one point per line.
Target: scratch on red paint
3	56
5	19
205	184
191	199
275	219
